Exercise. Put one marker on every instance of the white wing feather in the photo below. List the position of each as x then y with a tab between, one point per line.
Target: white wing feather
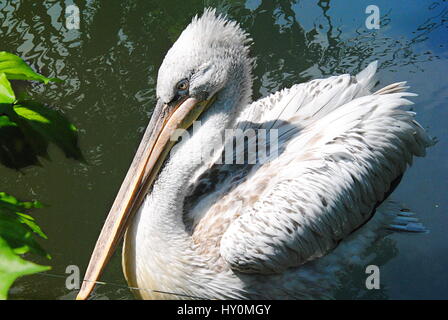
348	148
309	101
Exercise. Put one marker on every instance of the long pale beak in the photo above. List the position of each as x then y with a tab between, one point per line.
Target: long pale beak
153	150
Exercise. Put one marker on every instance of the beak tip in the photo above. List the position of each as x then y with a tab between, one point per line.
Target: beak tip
80	296
84	292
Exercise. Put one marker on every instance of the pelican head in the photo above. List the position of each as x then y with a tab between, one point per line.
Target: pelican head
211	54
206	75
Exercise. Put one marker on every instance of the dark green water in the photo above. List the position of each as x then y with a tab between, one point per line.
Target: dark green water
110	65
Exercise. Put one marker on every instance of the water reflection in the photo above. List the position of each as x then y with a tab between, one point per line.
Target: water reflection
110	67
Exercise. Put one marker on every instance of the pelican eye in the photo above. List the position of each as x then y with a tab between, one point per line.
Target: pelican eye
182	86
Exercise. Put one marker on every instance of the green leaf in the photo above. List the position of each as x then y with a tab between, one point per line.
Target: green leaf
17	227
29	114
12	266
11	210
27	127
16	150
6	93
51	125
38	144
16	69
18	235
17	230
5	122
6	198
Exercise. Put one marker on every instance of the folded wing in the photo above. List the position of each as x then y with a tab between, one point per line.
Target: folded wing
342	149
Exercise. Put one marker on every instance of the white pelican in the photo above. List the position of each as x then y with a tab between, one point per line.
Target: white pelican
281	228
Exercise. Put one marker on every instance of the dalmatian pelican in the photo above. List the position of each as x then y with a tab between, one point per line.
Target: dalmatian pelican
276	229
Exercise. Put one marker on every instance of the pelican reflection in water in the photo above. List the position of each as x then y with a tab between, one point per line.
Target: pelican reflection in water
278	229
